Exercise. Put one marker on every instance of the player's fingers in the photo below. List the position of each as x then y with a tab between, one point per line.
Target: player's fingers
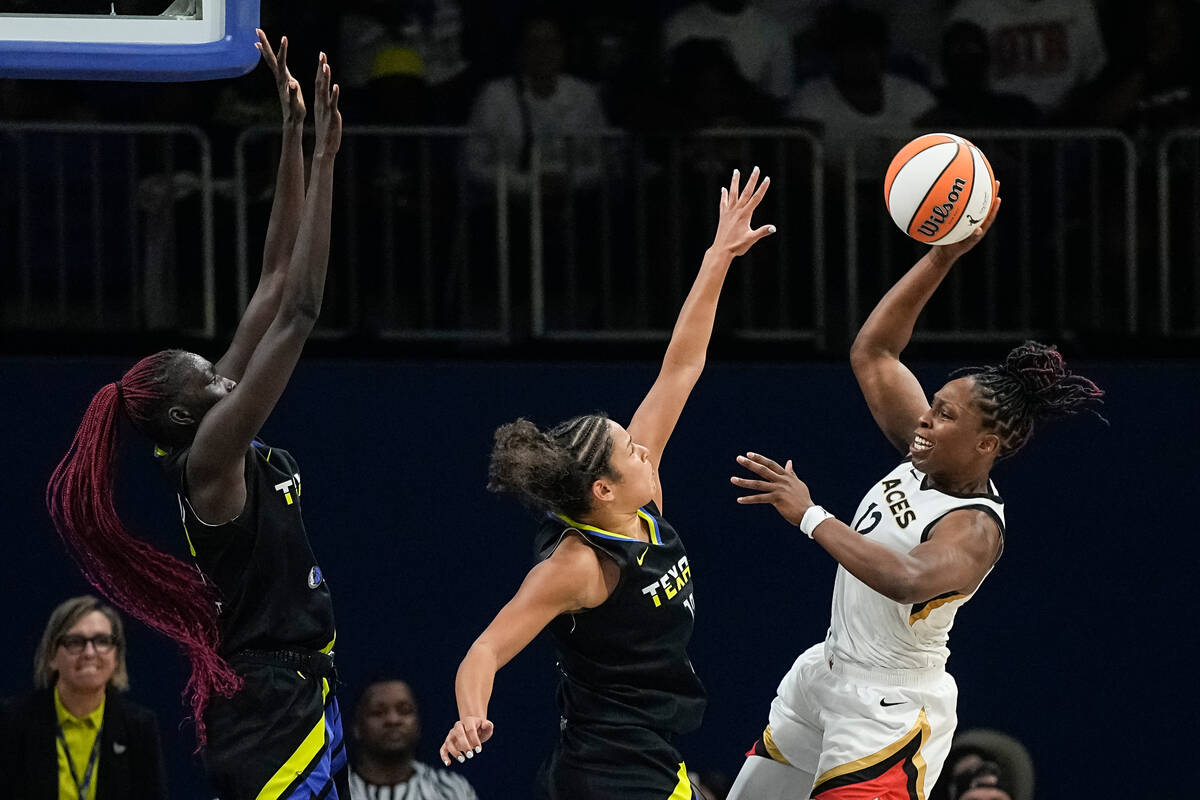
337	92
757	197
472	735
763	232
762	470
486	729
748	189
733	185
764	461
724	202
281	57
751	499
750	483
456	742
757	467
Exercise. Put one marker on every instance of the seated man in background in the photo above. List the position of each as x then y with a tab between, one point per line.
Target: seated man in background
77	735
386	728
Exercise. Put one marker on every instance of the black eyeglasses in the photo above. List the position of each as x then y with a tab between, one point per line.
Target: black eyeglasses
75	644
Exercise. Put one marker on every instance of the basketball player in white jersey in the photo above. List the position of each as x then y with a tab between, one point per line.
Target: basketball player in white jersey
870	712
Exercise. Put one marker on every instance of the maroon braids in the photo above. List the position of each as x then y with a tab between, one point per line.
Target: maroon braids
1032	384
158	589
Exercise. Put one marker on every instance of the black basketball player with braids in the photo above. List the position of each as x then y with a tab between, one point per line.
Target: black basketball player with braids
612	581
870	711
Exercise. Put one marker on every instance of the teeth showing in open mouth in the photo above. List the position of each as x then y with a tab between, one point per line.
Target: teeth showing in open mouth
921	443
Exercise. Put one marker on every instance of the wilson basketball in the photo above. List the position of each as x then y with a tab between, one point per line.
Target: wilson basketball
938	188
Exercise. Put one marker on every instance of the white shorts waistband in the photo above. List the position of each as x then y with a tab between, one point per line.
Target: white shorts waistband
925	678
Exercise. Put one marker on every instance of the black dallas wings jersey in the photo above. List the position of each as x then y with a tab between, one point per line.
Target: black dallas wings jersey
871	630
272	593
625	661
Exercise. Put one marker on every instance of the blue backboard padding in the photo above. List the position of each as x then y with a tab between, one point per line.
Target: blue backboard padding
232	55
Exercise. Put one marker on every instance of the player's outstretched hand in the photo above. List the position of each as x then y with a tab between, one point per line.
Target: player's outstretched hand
466	739
290	96
325	111
958	249
776	485
734	233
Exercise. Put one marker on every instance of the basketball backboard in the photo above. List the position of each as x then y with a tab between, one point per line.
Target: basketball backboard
185	40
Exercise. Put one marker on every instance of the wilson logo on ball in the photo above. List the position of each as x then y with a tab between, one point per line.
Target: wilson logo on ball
939	214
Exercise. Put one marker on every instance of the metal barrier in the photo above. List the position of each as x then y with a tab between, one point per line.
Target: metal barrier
1063	258
614	258
1178	163
405	261
106	228
111	227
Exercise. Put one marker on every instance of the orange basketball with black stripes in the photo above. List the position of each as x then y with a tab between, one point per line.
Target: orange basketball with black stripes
938	188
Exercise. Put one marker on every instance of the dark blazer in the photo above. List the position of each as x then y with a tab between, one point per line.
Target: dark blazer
131	759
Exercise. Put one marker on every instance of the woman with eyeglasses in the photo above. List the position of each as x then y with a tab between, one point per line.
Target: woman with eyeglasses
77	737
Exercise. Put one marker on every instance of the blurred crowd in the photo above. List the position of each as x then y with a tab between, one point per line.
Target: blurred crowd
592	107
840	67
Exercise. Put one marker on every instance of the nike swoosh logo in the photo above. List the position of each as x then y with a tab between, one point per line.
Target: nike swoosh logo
885	703
643	555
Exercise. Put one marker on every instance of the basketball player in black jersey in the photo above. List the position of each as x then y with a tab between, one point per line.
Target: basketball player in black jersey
612	581
256	618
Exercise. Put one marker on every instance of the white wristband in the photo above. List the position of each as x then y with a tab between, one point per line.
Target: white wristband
812	518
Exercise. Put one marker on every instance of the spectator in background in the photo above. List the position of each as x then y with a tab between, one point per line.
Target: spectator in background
965	98
985	765
1046	50
859	102
1155	85
759	43
387	728
539	107
706	90
407	60
617	50
77	736
915	28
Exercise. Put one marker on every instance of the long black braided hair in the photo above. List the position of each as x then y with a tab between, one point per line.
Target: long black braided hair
552	470
1032	385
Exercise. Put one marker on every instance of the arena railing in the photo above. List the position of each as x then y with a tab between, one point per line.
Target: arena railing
437	238
614	254
1062	262
417	253
106	228
1178	300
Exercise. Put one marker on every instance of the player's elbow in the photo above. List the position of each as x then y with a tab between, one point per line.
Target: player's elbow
866	355
301	313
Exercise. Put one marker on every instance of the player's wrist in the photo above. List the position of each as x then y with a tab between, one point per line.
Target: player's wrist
814	515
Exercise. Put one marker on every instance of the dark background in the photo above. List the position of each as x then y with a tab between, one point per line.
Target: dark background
1080	643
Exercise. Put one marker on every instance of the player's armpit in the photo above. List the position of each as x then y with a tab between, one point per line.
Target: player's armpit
962	546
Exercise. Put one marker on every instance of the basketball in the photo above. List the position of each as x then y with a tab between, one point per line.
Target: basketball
938	188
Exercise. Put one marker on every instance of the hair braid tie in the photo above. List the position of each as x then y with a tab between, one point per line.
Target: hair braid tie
120	393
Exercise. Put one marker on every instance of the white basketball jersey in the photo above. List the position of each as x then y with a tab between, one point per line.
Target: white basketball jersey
871	630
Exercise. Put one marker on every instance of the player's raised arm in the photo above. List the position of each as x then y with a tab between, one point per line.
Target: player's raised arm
284	224
214	468
569	580
892	392
658	413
